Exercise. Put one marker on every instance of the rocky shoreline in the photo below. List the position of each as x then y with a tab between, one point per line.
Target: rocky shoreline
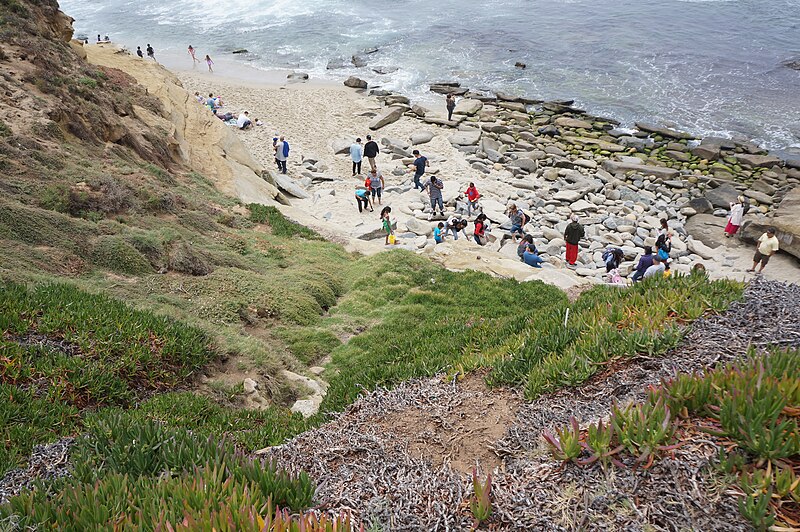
620	182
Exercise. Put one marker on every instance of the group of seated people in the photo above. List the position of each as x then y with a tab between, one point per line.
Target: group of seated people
215	103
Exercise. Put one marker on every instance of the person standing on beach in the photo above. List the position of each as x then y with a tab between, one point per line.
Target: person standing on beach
376	184
420	163
735	218
191	52
451	106
572	236
472	198
767	246
151	53
282	153
139	52
371	151
210	63
356	154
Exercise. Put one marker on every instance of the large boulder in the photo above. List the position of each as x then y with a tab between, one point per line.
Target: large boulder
786	220
707	228
722	196
341	146
565	121
699	248
389	116
663	131
355	83
757	161
467	137
421	137
418	226
700	205
468	107
287	185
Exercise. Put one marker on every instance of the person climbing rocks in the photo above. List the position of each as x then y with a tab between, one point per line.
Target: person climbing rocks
386	223
613	257
517	220
456	225
479	233
473	196
362	198
450	103
434	187
645	261
371	151
572	236
768	245
735	217
356	154
420	163
376	184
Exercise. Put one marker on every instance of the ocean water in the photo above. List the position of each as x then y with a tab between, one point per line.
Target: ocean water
712	67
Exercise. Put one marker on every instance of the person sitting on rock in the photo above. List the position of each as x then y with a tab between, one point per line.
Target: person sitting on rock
613	258
456	224
517	220
472	198
530	255
645	261
479	233
657	269
437	233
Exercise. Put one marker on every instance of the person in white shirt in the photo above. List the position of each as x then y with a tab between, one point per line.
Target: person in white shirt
357	154
767	247
244	122
656	270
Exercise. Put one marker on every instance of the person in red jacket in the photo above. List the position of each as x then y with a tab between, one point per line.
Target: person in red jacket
480	230
472	198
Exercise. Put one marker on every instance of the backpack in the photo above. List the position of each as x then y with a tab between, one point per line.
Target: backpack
663	254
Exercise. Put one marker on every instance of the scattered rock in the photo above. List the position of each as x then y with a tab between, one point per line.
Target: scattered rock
468	107
390	115
240	51
469	137
421	137
355	83
663	131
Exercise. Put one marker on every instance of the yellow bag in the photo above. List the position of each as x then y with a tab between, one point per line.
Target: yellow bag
392	240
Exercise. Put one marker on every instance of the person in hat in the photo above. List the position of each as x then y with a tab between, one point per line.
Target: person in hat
767	246
735	217
572	236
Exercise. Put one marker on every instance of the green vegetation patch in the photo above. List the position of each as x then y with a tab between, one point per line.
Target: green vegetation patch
63	350
114	253
279	224
166	474
44	228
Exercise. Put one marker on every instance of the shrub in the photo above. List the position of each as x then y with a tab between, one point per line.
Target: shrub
114	253
279	224
184	258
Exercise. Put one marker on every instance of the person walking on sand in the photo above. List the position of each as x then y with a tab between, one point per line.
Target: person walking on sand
386	223
450	103
362	197
767	246
735	218
376	184
472	198
192	53
420	163
151	53
572	236
139	52
282	153
356	154
210	63
371	151
434	188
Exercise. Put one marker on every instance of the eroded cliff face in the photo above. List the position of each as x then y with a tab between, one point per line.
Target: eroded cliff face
112	106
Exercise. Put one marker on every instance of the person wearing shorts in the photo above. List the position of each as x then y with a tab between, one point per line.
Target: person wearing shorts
767	246
375	183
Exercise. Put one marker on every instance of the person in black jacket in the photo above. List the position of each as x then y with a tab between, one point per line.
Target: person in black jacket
371	151
572	236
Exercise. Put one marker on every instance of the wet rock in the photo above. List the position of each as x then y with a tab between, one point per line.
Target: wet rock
574	123
297	76
355	83
663	131
757	161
